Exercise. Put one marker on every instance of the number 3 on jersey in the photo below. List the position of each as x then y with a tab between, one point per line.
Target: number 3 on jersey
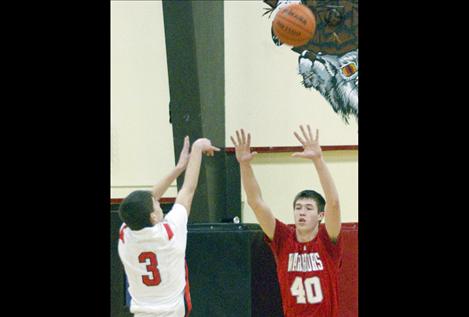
151	267
313	289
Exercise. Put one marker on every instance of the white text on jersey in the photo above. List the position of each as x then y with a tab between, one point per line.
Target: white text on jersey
305	262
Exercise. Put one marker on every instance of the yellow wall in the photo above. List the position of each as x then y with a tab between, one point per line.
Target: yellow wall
263	90
141	136
281	177
263	95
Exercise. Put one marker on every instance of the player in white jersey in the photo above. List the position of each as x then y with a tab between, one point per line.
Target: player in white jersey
152	246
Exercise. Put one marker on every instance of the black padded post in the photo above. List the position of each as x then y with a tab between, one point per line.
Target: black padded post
194	32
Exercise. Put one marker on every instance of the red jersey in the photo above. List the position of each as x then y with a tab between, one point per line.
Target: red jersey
307	272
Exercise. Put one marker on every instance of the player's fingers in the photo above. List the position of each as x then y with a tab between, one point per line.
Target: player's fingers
317	134
249	140
303	131
234	142
253	153
243	136
310	134
214	148
186	143
299	138
238	138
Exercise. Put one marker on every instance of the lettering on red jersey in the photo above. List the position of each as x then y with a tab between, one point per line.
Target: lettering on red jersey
304	262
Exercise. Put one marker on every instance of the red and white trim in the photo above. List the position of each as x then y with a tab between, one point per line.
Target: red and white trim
168	231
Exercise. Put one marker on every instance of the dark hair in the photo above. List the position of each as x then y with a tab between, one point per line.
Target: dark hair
136	208
311	194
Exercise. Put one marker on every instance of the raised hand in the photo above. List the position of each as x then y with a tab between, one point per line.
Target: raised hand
206	146
311	148
243	147
184	156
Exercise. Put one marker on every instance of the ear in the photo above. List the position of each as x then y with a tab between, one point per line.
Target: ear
153	218
321	215
155	203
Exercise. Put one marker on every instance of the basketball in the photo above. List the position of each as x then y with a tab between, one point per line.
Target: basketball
294	24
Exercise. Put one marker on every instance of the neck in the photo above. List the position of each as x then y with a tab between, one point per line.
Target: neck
306	236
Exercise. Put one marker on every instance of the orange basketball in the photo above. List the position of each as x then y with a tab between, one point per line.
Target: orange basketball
294	24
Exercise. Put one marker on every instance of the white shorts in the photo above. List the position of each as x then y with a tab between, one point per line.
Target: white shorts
179	312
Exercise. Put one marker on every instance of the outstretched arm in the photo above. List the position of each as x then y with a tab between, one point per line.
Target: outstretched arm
313	151
253	192
162	186
186	194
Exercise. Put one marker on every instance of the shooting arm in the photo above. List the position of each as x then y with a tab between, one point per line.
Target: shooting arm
186	194
191	178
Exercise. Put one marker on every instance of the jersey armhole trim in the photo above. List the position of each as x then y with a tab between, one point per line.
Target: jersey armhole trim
121	233
168	231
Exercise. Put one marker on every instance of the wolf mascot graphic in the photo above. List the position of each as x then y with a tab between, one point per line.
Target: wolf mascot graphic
329	62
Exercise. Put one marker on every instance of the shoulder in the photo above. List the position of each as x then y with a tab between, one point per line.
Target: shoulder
178	213
178	209
177	219
282	233
282	229
333	248
324	235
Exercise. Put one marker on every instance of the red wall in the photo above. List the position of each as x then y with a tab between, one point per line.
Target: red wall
348	279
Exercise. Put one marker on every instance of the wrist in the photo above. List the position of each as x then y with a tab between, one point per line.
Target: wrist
317	159
197	147
245	163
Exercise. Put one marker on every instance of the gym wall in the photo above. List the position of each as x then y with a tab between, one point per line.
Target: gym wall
263	89
263	96
141	135
282	177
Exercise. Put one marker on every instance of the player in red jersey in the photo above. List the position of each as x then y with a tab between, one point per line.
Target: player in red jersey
307	254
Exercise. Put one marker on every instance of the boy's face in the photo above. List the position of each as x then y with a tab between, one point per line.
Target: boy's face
306	214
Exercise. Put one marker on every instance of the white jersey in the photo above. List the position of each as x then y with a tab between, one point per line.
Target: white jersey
154	262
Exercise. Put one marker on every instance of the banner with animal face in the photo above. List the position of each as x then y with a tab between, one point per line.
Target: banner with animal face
329	61
271	87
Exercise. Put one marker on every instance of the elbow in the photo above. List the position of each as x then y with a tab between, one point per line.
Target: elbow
254	203
188	189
